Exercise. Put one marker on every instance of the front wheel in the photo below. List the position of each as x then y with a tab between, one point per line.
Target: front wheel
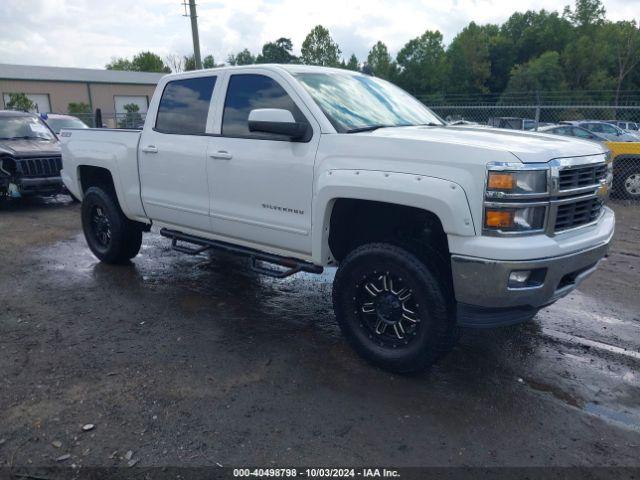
394	307
111	236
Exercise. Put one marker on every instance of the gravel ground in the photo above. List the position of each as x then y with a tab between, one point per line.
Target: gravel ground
197	361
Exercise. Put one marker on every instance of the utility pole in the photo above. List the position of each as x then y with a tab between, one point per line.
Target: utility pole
194	31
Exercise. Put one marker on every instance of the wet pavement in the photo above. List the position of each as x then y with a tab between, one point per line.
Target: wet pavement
190	361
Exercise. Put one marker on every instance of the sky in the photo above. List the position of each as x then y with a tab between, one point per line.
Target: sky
89	33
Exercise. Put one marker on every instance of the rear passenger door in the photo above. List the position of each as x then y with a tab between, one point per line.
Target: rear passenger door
173	155
261	184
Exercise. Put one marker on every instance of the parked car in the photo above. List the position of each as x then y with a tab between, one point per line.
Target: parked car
631	127
625	157
512	123
432	226
59	121
30	159
606	130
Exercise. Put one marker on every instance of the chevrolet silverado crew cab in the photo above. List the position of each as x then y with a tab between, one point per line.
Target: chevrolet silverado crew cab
431	227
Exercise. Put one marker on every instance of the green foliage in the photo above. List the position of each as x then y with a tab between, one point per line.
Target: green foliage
277	52
533	51
141	62
586	13
189	63
241	58
468	61
78	108
208	62
540	74
421	63
132	118
319	48
380	63
353	63
20	101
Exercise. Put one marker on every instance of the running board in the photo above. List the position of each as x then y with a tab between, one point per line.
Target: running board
291	265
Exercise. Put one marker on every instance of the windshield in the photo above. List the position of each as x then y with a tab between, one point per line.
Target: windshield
355	102
24	127
58	124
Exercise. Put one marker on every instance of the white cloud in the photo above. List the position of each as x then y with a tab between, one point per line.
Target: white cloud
87	33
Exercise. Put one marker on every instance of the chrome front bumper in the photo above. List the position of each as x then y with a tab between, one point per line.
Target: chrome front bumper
483	282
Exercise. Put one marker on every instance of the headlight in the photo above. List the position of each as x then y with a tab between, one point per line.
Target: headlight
515	219
518	182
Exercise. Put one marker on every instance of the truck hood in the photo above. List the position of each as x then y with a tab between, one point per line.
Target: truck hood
528	147
29	148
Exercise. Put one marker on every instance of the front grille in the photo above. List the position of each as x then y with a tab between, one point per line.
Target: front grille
581	176
39	167
579	213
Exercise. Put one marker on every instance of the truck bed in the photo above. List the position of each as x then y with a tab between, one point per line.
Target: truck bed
115	150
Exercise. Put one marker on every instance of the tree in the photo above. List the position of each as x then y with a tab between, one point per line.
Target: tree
421	63
189	63
20	102
585	63
540	74
277	52
319	48
81	110
175	62
141	62
132	118
380	63
623	40
469	65
586	13
353	63
119	64
208	62
241	58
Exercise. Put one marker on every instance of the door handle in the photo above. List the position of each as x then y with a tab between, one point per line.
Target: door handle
150	149
221	155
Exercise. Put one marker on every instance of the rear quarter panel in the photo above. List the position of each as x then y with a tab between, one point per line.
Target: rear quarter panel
113	150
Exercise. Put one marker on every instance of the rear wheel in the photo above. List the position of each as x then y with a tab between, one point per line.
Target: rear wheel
393	307
111	236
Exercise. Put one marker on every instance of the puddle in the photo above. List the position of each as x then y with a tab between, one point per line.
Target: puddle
627	420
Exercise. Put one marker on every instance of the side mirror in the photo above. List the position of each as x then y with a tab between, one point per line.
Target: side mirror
277	121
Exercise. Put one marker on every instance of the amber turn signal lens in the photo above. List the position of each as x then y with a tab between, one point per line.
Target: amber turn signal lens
501	181
498	218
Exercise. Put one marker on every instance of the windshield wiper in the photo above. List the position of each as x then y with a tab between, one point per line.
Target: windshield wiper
430	124
368	128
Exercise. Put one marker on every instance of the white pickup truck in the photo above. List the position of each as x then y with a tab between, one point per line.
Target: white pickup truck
432	226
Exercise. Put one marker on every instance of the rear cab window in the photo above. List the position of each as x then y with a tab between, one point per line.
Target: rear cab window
184	106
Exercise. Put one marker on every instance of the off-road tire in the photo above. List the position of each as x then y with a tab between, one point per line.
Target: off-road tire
431	337
124	236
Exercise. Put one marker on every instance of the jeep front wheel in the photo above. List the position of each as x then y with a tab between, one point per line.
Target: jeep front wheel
393	307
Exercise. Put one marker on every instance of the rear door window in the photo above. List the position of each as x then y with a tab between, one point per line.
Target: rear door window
184	106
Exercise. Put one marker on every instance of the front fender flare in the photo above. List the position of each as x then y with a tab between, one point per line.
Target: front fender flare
446	199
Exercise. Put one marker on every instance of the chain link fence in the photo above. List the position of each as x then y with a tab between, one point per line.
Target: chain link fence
114	120
626	181
626	184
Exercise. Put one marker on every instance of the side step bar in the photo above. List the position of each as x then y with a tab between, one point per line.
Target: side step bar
292	265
